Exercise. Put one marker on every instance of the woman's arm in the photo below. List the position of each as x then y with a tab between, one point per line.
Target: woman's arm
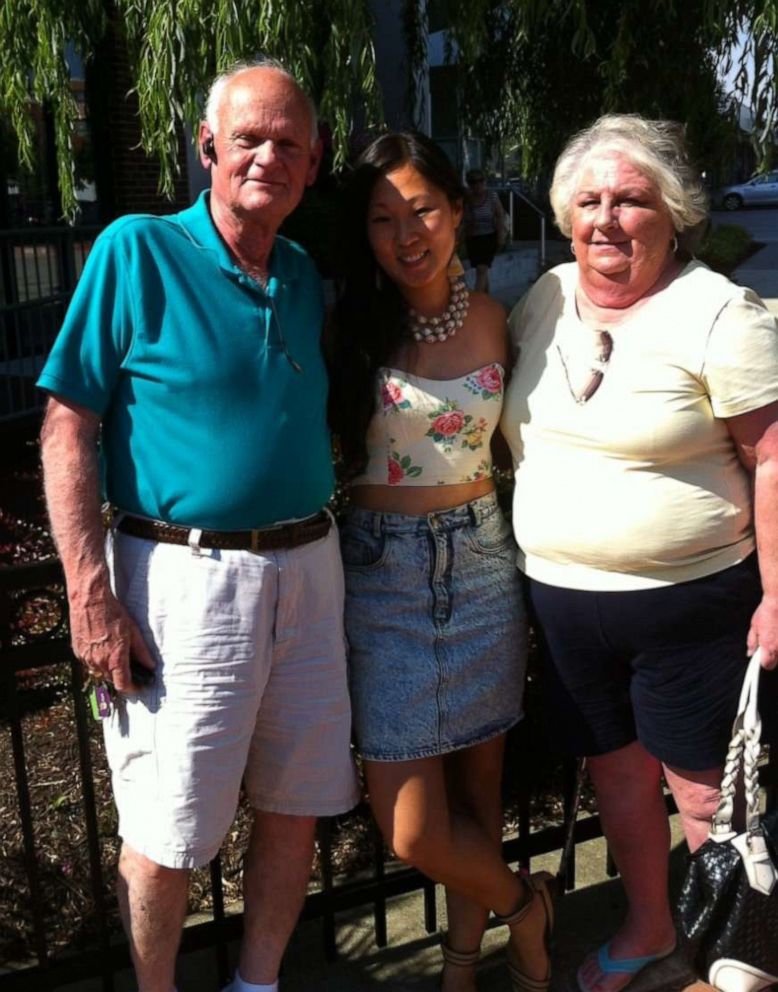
499	221
756	437
499	213
466	225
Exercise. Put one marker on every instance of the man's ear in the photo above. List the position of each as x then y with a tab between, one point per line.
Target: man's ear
316	152
206	146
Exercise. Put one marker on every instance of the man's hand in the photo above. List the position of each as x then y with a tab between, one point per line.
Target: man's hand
104	637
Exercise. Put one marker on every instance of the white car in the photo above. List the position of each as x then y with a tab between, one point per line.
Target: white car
760	191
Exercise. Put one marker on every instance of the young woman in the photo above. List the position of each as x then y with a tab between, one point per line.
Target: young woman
434	614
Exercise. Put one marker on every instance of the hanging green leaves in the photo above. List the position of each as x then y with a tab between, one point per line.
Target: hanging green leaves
175	47
529	71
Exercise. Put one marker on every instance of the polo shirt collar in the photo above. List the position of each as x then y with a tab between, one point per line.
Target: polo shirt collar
199	225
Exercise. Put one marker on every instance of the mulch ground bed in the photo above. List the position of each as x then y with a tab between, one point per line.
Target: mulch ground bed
52	763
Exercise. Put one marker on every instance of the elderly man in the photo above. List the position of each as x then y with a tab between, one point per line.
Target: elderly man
191	353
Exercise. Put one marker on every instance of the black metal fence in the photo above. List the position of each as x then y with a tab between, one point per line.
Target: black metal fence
33	641
39	268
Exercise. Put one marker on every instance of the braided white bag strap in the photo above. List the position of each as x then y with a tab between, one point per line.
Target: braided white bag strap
743	748
746	733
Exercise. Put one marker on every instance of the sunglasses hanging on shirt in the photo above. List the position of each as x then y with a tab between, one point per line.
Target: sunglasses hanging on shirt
585	372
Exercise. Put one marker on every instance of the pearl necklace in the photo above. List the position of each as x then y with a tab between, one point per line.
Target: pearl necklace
446	324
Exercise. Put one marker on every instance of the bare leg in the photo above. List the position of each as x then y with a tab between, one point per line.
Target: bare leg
634	819
473	778
275	882
411	805
152	903
696	795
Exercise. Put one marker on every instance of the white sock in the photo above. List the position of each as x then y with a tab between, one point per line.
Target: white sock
241	985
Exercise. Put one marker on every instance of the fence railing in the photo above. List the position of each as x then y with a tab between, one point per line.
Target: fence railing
34	648
39	268
511	192
33	645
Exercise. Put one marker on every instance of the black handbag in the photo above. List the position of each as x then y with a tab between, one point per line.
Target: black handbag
727	914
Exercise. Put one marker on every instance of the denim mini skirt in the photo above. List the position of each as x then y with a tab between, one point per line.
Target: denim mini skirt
436	627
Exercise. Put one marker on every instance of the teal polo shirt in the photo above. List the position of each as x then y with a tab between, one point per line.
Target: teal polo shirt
206	422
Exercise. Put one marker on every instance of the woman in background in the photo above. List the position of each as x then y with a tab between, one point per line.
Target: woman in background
484	226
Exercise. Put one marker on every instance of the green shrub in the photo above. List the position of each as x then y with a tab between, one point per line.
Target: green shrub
724	246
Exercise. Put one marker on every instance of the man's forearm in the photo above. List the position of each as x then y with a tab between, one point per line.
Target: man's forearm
102	633
72	486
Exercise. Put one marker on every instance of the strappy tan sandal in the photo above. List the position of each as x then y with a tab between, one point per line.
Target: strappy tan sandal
535	885
459	959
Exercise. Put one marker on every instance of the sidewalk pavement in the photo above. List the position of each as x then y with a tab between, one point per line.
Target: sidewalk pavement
760	273
586	917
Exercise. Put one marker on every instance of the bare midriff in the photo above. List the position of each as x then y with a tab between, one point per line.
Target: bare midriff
417	501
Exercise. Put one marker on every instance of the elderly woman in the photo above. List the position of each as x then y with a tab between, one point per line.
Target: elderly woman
642	420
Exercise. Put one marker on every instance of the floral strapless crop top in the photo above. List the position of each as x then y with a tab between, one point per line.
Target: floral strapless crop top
432	432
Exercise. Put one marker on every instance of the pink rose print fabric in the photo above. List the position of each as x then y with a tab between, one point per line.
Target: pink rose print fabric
453	428
447	424
392	398
430	432
486	382
399	467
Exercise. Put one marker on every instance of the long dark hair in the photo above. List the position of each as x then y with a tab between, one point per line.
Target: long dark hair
371	318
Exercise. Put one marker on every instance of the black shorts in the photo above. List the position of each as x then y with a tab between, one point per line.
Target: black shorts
663	666
481	248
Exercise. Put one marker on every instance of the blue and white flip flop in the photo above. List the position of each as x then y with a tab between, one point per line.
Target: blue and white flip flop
621	966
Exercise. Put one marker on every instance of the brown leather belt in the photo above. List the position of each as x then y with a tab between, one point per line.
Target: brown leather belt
268	539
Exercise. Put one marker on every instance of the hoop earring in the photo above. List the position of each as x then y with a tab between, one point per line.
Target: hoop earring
572	248
674	244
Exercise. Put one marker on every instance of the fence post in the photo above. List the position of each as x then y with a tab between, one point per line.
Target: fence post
10	699
67	261
92	830
7	272
217	894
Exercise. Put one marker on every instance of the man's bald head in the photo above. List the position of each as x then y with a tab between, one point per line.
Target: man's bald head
225	79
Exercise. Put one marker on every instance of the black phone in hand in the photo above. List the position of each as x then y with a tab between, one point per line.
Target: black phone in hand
139	674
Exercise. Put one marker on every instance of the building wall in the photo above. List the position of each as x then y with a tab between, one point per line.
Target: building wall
129	177
392	69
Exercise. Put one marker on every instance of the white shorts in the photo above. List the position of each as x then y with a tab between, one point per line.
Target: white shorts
250	684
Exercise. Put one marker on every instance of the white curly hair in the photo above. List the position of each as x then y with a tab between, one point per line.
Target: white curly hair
656	148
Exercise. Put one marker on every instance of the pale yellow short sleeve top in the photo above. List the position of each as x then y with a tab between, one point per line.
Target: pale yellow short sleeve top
641	486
